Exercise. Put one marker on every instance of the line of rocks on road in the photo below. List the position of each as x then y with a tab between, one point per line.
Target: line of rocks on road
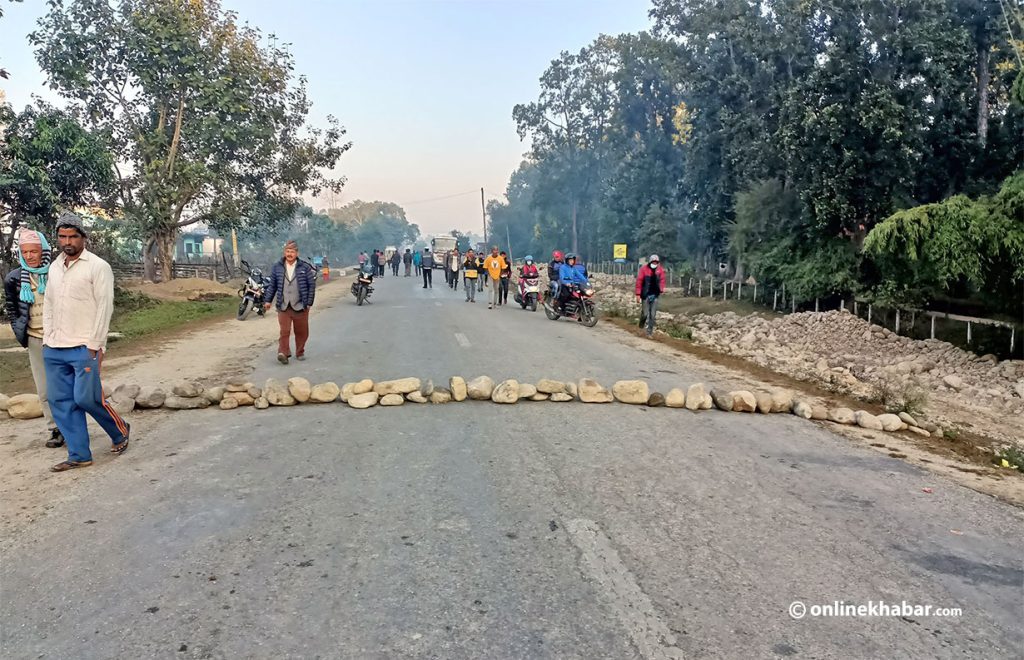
389	393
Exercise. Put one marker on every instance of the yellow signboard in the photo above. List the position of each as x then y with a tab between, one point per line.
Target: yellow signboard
619	250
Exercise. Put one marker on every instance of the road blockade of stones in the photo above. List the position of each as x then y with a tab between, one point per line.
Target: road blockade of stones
367	393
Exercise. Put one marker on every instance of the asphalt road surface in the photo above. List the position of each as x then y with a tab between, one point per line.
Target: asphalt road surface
475	530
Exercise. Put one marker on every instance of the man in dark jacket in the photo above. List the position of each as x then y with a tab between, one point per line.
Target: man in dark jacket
428	269
407	260
650	284
396	261
24	289
292	288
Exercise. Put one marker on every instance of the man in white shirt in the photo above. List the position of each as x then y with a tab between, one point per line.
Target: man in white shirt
76	317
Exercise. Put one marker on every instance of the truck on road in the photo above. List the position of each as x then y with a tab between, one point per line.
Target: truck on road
440	246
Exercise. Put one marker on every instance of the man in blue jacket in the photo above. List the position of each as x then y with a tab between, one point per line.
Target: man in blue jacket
292	288
570	273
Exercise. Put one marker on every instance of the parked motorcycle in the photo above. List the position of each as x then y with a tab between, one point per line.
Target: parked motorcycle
363	286
528	292
579	306
251	292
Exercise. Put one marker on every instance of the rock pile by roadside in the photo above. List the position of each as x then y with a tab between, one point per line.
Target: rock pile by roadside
849	355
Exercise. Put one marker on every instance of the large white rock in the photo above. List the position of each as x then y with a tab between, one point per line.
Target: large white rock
561	397
676	398
695	395
866	420
440	395
527	390
764	402
635	392
548	386
398	386
324	393
591	391
300	389
417	397
187	389
228	403
25	406
743	401
392	400
457	385
364	400
891	422
277	394
841	416
480	388
363	386
186	402
125	391
214	394
782	401
150	397
507	391
803	409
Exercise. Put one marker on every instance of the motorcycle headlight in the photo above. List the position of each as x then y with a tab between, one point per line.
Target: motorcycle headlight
589	292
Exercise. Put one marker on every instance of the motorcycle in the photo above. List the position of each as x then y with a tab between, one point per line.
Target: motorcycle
579	306
527	292
251	292
362	287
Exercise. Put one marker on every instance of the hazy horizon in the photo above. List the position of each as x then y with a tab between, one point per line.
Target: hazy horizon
425	89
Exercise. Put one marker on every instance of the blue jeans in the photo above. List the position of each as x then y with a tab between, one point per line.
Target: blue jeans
470	286
74	389
651	310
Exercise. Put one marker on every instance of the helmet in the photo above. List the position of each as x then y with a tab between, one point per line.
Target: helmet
571	255
655	258
556	255
528	259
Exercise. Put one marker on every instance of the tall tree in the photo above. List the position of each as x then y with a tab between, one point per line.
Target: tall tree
208	117
48	163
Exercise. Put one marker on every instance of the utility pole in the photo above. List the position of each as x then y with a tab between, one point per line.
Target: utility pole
483	212
237	258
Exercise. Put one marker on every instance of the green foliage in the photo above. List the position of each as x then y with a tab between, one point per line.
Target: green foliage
930	249
48	163
209	118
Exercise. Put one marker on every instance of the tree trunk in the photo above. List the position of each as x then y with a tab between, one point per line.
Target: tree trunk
149	255
165	241
983	78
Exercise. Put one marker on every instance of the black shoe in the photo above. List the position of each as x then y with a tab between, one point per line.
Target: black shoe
56	439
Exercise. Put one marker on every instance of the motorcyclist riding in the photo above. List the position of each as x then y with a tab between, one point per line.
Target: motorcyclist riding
528	269
553	272
569	274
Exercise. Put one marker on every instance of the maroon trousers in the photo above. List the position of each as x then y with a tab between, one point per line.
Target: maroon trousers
287	319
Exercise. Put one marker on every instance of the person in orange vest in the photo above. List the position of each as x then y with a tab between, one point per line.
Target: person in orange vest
494	264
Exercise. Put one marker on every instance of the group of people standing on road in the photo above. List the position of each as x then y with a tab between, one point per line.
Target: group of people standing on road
60	309
477	272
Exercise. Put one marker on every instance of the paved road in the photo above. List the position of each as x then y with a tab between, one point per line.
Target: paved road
483	531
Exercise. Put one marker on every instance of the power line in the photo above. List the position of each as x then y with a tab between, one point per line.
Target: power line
437	199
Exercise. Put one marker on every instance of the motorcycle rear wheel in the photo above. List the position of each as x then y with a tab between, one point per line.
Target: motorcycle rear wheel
245	308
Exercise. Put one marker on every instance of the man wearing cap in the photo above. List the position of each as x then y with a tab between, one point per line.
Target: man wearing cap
24	290
650	284
78	303
292	288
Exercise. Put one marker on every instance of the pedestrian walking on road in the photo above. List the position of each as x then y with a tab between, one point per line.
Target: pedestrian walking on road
77	305
24	291
407	260
454	264
506	277
292	288
396	261
493	265
417	260
470	274
327	270
382	262
483	273
650	284
428	269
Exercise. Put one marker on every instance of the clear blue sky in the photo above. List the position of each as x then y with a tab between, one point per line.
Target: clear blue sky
425	88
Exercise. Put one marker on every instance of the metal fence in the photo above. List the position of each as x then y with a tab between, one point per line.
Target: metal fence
1001	338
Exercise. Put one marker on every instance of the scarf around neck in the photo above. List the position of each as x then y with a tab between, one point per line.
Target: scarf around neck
41	273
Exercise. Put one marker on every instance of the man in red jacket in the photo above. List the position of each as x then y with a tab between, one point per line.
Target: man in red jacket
650	284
